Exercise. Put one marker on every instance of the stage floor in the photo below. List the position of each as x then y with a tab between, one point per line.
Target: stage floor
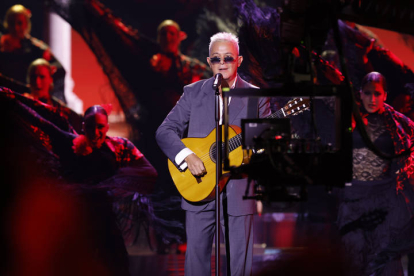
297	238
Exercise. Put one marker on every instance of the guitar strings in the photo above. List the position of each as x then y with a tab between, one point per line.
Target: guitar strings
233	144
235	141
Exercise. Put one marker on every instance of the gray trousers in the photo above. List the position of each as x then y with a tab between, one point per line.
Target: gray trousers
200	229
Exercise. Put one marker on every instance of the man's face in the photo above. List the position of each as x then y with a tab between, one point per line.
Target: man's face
95	128
40	82
18	26
373	96
224	59
169	39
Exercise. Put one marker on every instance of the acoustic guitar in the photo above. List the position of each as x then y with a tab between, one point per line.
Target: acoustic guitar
196	189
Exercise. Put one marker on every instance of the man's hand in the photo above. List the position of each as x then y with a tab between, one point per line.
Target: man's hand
195	165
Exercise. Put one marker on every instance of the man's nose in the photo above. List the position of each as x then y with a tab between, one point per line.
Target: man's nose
38	82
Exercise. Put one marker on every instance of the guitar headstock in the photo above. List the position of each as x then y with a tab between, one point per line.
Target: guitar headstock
296	106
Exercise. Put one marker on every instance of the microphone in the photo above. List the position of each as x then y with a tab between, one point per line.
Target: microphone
217	80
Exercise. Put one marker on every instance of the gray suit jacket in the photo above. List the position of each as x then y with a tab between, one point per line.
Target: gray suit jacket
195	112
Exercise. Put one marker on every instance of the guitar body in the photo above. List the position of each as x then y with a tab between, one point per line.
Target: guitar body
198	189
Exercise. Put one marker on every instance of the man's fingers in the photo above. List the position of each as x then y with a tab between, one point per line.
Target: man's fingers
198	170
195	165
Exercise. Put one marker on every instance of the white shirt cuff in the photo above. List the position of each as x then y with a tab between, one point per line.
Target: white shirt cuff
179	158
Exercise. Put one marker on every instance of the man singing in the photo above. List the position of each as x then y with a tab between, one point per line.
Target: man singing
195	113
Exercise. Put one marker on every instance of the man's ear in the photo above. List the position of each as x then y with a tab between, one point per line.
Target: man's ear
182	35
239	60
208	61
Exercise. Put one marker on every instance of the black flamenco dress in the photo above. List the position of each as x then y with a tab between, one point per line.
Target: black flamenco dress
98	177
82	174
43	153
371	213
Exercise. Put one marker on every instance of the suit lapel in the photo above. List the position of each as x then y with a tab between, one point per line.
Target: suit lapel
209	104
237	104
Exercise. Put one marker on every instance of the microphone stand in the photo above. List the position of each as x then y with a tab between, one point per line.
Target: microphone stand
218	175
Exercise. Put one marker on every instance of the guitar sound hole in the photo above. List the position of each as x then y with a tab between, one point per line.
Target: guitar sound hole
212	152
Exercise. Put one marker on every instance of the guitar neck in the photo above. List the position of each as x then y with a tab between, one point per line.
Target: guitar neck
236	141
278	114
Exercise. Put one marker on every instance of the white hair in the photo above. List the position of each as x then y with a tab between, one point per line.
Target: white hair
223	36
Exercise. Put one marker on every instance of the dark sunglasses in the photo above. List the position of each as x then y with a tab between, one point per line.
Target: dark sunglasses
217	60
